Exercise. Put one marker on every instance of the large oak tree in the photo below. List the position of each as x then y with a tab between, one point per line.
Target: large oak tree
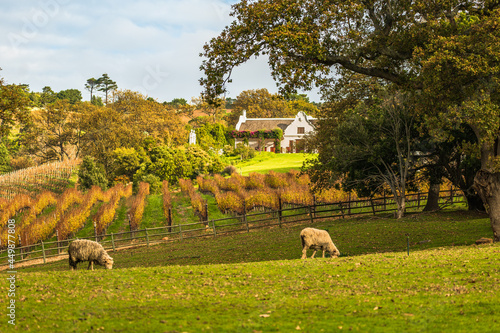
126	123
14	102
260	103
446	50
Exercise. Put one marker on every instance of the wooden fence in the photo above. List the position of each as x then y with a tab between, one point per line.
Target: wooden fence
239	223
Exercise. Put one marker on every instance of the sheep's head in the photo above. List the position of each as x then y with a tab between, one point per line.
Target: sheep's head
334	252
108	263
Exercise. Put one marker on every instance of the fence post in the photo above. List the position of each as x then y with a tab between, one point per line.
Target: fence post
451	194
349	205
245	214
130	226
147	236
43	252
408	243
314	205
180	230
418	199
213	226
311	214
169	220
373	206
113	242
206	215
58	244
279	212
20	246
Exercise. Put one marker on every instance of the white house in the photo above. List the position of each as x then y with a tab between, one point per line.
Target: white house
294	130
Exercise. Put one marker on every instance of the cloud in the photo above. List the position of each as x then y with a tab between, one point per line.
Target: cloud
151	46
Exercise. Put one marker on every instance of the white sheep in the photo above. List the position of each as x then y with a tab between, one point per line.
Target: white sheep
316	239
86	250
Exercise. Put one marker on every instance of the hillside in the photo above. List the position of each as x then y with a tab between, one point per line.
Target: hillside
253	281
353	237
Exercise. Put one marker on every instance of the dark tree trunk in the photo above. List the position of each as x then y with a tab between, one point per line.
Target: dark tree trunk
432	198
474	201
487	185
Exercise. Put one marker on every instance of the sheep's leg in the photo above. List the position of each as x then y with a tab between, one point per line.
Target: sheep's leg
314	253
323	253
91	265
304	252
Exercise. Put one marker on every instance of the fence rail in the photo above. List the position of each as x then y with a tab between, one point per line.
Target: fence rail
287	213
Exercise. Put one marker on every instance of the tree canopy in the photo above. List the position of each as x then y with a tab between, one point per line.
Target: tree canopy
72	95
14	102
371	149
50	135
447	52
126	123
308	42
260	103
106	85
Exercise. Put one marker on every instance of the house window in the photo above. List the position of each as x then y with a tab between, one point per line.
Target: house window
300	130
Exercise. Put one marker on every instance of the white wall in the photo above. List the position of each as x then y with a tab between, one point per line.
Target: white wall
291	133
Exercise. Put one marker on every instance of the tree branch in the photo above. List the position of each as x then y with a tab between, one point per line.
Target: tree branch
370	71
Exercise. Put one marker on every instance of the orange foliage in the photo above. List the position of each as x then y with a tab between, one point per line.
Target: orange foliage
167	198
197	202
106	212
138	204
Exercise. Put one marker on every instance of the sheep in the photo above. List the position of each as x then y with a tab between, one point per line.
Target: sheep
86	250
316	239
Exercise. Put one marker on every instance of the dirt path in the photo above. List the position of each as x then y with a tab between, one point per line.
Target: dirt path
39	261
34	262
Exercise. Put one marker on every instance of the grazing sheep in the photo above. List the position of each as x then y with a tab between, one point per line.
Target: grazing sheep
87	250
316	239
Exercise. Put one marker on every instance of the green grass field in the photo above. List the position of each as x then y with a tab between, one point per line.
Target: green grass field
255	282
438	290
267	161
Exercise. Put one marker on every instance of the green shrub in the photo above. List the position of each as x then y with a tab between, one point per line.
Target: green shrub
246	152
211	136
153	181
126	161
4	159
228	150
90	174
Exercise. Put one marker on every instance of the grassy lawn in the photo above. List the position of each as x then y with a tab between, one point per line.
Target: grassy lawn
353	237
264	162
437	290
254	281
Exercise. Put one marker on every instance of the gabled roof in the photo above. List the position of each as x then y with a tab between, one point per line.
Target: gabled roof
256	124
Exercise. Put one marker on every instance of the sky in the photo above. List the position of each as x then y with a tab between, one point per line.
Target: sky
149	46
